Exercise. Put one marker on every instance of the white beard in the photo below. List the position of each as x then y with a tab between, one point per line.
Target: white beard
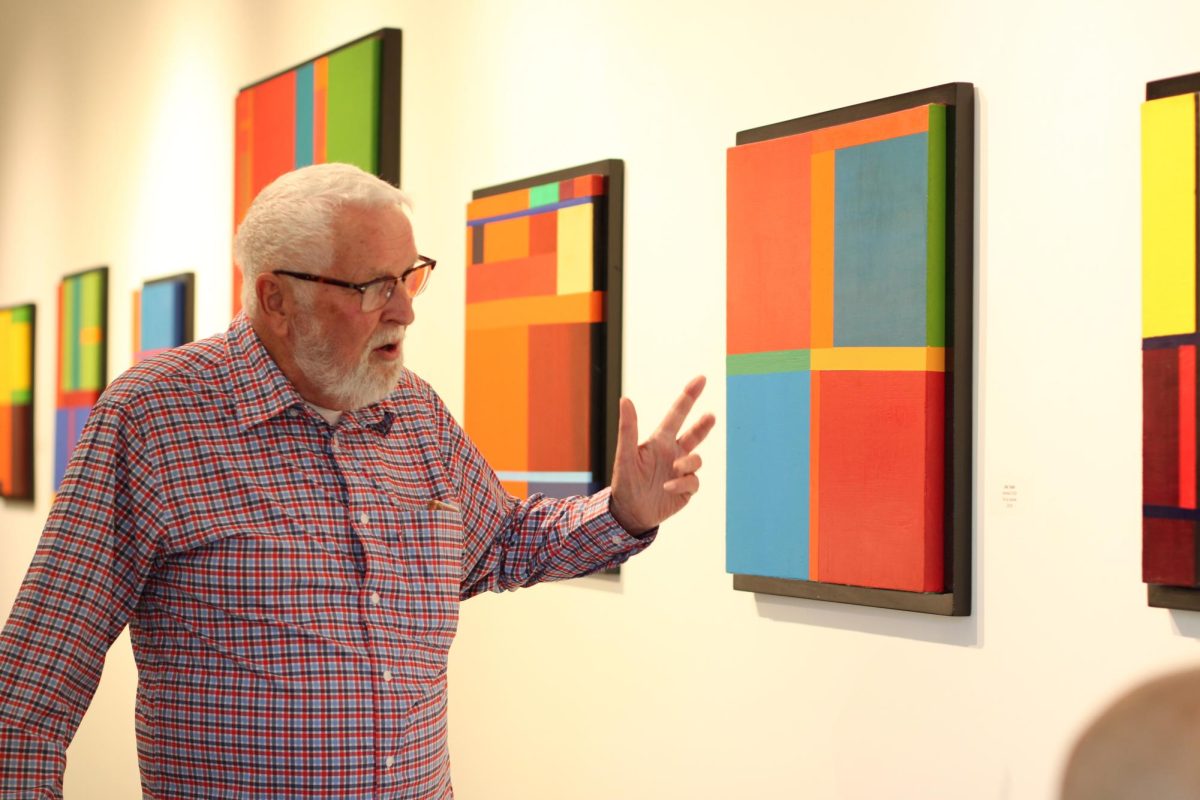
352	385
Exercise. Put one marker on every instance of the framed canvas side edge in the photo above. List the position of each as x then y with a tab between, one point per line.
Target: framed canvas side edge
948	93
1169	87
604	167
391	75
1174	597
941	604
189	298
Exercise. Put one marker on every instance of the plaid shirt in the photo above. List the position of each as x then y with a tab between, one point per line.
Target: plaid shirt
291	588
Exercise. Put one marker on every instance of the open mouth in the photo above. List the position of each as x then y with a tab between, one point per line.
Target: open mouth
389	348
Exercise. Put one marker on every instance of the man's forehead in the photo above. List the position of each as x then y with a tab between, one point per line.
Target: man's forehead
370	242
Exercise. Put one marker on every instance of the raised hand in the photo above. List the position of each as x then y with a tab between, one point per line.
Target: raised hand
655	479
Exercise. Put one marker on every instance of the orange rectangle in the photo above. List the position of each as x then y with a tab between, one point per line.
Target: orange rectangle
520	277
768	248
822	210
874	129
320	104
555	309
498	204
496	415
506	239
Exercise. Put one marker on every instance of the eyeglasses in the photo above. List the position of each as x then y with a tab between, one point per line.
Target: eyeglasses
376	293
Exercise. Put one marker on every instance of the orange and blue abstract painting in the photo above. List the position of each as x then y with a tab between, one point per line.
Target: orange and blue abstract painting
837	336
1170	514
82	358
542	329
16	401
341	107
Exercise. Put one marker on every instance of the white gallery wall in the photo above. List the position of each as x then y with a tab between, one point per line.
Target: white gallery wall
116	147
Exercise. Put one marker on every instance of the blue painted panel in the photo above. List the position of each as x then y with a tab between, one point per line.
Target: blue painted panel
162	315
880	231
62	443
767	479
304	116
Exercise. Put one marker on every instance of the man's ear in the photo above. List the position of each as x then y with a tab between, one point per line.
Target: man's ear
273	306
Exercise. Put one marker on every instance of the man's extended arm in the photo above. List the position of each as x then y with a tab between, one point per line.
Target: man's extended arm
80	591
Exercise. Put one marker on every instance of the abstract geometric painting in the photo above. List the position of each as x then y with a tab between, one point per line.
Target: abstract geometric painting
848	364
162	315
343	106
82	358
1170	544
16	402
543	346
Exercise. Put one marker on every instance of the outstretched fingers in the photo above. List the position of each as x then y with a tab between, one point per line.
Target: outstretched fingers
697	433
685	485
682	406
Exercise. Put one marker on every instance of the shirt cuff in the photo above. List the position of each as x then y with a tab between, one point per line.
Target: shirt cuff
604	529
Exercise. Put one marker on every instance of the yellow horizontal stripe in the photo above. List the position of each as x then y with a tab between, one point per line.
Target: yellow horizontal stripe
544	310
879	359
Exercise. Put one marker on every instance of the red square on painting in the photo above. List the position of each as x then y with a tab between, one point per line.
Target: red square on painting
879	461
1169	551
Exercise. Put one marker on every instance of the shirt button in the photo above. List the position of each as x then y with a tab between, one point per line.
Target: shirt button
364	517
387	675
334	445
390	760
616	539
374	598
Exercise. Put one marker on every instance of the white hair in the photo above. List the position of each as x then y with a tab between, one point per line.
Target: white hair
290	224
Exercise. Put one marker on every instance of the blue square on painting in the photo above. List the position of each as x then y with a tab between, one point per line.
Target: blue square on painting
768	457
163	315
881	214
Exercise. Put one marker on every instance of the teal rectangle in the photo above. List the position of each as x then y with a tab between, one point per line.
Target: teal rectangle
543	195
770	362
881	208
303	154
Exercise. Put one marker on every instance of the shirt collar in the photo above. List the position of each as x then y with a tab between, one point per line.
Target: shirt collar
261	391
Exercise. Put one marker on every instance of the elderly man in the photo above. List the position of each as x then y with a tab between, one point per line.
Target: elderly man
287	519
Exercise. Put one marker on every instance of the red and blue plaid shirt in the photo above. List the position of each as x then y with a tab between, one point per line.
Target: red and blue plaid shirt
291	588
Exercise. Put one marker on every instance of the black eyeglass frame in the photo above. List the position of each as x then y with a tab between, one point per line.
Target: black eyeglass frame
423	262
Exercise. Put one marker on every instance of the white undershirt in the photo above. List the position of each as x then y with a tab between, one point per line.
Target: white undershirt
328	414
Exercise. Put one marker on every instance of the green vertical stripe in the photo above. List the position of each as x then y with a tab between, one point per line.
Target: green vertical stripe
543	195
92	296
935	249
69	327
352	106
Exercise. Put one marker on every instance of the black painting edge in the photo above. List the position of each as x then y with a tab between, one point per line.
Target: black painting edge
1181	598
960	291
380	33
32	403
1169	87
614	170
189	294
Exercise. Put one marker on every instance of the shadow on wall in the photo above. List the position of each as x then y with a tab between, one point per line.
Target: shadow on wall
959	631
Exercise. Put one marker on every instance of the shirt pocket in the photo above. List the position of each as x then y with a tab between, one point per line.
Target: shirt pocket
427	546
